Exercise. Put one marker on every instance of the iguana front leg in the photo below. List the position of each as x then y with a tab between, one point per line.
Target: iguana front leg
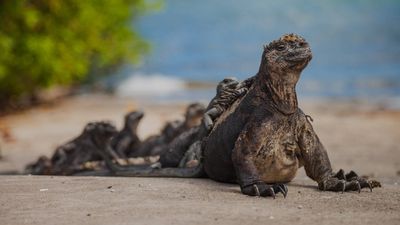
246	172
318	167
209	116
192	156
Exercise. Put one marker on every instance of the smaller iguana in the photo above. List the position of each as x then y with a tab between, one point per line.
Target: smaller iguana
228	90
157	144
69	158
127	138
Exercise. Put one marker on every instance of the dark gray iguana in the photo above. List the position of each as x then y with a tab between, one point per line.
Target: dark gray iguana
127	139
263	138
228	91
157	144
70	157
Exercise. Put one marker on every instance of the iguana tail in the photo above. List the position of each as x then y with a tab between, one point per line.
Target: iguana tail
148	171
143	170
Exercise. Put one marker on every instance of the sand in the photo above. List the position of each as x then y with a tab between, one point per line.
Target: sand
358	135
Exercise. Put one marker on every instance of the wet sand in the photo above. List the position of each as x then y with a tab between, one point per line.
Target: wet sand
359	136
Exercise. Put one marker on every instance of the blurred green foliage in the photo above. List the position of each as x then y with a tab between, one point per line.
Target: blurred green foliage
61	42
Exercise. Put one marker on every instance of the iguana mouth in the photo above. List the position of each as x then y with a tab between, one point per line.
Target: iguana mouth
299	56
137	115
232	84
299	61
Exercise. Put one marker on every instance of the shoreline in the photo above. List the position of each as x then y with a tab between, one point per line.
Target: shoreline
161	88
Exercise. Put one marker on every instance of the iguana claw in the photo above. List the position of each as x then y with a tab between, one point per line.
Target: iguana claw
271	190
283	191
347	182
256	190
263	190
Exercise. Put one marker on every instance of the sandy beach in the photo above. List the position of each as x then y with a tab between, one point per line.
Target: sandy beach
358	135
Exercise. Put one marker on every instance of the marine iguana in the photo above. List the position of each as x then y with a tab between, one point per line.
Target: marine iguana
263	138
127	139
69	158
157	144
228	91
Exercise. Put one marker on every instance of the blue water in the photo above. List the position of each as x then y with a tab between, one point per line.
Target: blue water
355	43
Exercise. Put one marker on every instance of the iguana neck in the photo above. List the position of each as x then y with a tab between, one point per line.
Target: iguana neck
282	94
131	128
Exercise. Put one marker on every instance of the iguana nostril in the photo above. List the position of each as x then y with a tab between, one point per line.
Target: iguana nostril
291	54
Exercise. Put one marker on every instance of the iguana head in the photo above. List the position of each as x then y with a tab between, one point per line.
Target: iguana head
281	64
289	54
132	120
228	83
194	113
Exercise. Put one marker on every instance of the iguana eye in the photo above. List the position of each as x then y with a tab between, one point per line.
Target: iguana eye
281	47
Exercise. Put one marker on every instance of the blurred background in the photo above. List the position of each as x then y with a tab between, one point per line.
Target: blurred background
355	44
177	50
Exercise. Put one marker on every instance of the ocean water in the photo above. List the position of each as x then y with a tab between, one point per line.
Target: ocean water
356	45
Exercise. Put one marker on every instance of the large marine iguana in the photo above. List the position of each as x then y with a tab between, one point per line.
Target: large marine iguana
263	138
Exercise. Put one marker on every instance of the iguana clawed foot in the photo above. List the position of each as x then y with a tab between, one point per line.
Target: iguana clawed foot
347	182
264	190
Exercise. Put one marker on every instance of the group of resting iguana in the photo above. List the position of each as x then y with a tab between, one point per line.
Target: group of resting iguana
252	133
